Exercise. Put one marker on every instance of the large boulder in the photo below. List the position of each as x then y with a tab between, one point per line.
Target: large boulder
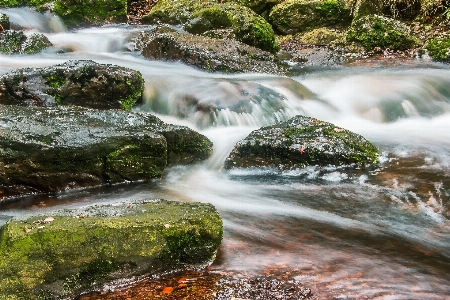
13	42
214	55
67	252
46	150
299	142
376	31
292	16
200	16
82	83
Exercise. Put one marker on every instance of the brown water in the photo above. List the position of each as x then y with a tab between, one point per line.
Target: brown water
381	233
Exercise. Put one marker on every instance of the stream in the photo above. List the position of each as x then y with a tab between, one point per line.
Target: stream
378	233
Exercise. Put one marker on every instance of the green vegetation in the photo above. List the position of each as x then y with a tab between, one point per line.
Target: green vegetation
439	49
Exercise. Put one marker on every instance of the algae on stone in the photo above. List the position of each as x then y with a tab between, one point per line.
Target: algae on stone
199	16
75	250
299	142
439	49
73	83
375	31
294	16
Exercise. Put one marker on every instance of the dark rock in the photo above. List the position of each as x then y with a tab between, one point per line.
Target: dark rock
214	55
299	142
4	22
71	251
375	31
199	16
46	150
35	43
82	83
293	16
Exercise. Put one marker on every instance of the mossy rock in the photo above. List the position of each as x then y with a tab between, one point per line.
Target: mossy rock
292	16
11	41
35	43
67	252
299	142
320	36
398	9
258	6
48	150
199	16
439	49
4	22
75	13
210	54
376	31
80	82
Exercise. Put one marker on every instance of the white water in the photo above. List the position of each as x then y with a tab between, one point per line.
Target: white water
375	234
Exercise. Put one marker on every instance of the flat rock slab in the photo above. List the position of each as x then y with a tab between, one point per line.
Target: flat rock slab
70	251
51	149
299	142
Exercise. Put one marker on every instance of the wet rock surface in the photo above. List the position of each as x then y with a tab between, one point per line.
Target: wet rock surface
70	251
198	16
46	150
16	42
206	285
214	55
299	142
82	83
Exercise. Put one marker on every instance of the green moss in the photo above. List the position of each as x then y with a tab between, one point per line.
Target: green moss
73	253
439	49
376	31
55	79
328	9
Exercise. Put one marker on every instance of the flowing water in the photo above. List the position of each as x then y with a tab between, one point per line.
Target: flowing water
381	233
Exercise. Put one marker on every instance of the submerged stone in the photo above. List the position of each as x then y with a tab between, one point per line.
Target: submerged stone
82	83
299	142
214	55
70	251
46	150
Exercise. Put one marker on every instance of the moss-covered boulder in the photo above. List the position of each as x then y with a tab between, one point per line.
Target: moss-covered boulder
299	142
292	16
320	36
375	31
200	16
4	22
82	83
47	150
75	13
261	7
14	42
214	55
67	252
439	49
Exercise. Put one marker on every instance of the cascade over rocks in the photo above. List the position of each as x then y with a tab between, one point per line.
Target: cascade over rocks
46	150
299	142
82	83
71	251
199	16
214	55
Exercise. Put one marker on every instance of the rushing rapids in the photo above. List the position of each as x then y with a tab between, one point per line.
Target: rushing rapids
381	233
